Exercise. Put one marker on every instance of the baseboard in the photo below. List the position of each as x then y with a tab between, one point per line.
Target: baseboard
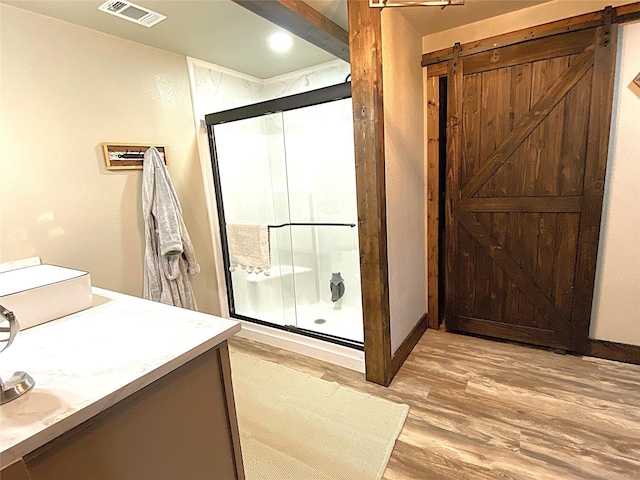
619	352
311	347
404	350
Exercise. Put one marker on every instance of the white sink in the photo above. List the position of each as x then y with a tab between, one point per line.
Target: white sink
40	293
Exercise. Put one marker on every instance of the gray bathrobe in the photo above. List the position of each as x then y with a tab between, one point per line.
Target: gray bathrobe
169	257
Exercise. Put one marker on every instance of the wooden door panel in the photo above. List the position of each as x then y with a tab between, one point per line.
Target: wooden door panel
520	93
521	204
514	229
487	273
494	102
521	104
516	163
466	280
539	154
567	252
575	138
496	225
542	172
538	111
545	260
548	165
542	245
470	148
494	124
515	55
518	333
517	272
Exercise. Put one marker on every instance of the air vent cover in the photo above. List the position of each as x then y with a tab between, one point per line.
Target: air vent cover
132	12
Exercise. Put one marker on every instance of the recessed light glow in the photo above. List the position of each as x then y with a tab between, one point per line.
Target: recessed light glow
280	42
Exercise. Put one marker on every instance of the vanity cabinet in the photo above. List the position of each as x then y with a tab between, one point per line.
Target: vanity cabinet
16	471
180	425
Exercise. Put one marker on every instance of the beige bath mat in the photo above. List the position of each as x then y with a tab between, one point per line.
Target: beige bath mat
299	427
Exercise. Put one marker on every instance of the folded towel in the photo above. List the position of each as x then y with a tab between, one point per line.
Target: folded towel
249	248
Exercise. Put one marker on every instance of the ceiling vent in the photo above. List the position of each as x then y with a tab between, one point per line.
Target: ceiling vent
131	11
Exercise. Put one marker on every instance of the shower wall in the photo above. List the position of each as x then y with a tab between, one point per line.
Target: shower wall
314	186
214	89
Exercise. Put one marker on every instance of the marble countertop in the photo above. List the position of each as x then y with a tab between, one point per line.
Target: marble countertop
86	362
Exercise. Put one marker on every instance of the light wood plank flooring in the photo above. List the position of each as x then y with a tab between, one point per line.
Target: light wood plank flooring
483	409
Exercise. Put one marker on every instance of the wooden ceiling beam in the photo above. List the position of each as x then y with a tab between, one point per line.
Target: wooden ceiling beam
303	21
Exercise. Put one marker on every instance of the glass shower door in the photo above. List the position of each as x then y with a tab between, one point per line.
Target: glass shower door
287	180
321	182
253	193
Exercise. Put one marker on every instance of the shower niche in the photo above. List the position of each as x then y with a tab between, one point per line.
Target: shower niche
284	175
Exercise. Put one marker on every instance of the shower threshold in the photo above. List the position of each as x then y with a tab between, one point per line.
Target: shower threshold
323	350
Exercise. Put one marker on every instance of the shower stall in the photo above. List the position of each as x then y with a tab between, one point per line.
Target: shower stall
284	175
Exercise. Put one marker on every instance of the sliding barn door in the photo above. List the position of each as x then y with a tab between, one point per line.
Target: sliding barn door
527	144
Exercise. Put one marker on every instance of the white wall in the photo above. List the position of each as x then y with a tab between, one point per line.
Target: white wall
509	22
616	304
323	75
404	164
64	90
616	307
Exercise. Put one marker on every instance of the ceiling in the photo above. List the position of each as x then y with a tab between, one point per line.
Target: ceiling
428	20
226	34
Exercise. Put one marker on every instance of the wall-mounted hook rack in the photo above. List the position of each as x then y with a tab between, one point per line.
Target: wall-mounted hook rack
129	156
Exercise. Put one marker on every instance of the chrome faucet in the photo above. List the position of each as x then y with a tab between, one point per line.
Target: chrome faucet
20	382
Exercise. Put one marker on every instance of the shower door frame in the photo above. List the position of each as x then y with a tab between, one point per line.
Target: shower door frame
319	96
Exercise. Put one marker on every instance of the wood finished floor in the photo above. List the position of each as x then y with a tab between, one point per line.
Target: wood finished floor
483	409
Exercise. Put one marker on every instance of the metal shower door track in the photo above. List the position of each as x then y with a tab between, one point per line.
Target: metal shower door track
292	102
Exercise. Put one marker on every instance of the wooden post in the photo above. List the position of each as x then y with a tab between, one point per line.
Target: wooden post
365	43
